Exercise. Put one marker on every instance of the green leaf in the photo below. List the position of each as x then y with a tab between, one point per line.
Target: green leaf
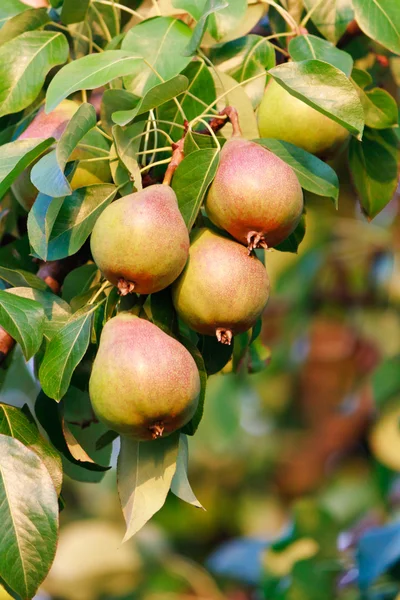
362	78
88	73
58	227
380	108
64	353
235	96
331	17
210	7
380	20
191	427
157	95
304	47
163	313
292	243
48	174
79	281
373	165
386	381
29	518
16	156
73	11
127	143
244	58
18	277
193	7
325	88
23	319
56	311
224	21
215	355
191	181
15	423
153	40
313	174
180	485
29	20
10	8
113	101
145	472
24	64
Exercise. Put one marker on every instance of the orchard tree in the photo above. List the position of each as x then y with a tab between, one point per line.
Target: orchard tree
152	154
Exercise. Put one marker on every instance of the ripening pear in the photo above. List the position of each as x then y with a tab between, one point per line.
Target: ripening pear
285	117
140	242
222	290
53	125
255	196
144	383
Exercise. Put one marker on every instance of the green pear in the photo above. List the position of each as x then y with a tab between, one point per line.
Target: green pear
284	117
144	383
255	196
223	290
140	242
53	125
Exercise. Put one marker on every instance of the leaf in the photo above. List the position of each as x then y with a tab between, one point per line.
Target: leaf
24	64
293	241
228	19
325	88
194	7
113	101
373	166
56	311
163	313
180	485
313	174
191	427
304	47
58	227
157	95
10	8
380	108
23	319
386	381
28	20
234	95
127	143
18	277
88	73
244	58
145	472
210	7
29	517
73	11
153	40
191	180
48	174
16	156
380	20
79	280
15	423
64	353
331	17
106	439
377	550
215	355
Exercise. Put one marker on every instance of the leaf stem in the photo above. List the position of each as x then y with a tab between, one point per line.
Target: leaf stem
155	164
132	12
104	286
164	149
102	22
75	33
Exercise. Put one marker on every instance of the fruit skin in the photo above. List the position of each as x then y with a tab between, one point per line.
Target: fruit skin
284	117
144	383
140	242
222	291
255	195
53	125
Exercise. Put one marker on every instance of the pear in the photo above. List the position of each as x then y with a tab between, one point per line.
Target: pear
255	196
285	117
140	242
53	125
222	290
144	383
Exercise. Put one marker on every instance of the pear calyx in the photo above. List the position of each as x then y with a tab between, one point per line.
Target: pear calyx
255	240
125	287
157	430
224	335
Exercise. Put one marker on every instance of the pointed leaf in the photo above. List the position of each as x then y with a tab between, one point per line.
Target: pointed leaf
28	20
191	427
24	64
380	20
64	353
88	73
153	40
10	8
29	518
127	143
157	95
18	277
331	17
48	174
41	219
191	180
23	319
180	485
210	7
16	156
15	423
380	108
304	47
73	11
325	88
313	174
145	472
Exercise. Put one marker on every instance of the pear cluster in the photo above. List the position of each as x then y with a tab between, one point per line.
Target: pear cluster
145	383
